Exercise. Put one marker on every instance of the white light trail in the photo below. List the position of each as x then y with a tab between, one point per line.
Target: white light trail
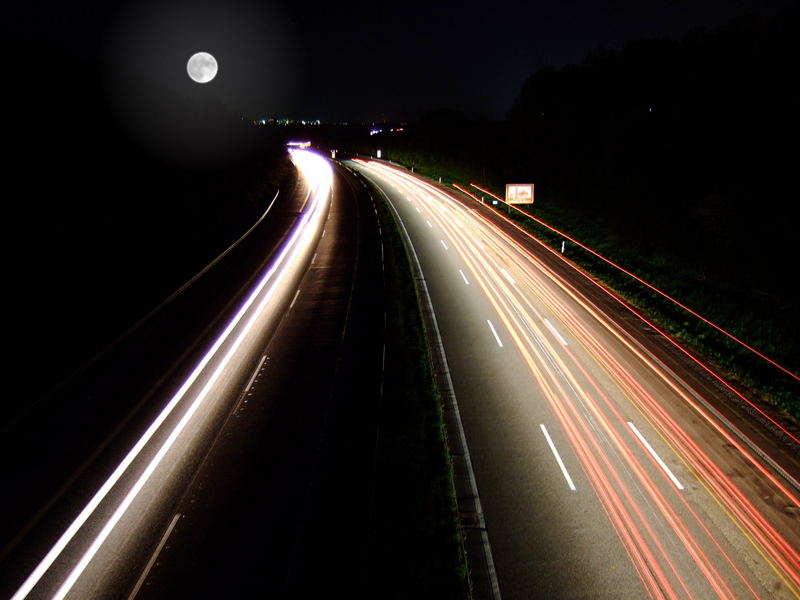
319	173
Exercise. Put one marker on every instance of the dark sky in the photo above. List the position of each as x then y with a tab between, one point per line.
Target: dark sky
350	60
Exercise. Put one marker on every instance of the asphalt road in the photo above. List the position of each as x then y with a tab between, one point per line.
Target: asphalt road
280	505
608	464
90	529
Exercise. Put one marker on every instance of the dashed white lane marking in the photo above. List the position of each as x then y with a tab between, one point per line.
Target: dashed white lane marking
248	389
558	457
418	210
655	455
496	337
153	558
296	294
508	276
443	244
464	277
256	372
429	224
314	258
555	332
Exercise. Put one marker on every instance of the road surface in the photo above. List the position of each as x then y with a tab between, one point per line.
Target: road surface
103	532
280	506
608	465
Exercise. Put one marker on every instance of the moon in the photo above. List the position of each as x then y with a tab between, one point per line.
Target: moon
202	67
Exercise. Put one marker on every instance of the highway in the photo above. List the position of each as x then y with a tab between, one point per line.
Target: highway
101	535
279	506
608	465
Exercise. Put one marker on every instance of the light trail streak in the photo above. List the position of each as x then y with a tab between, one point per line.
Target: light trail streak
637	278
555	398
683	350
715	474
678	387
567	385
319	175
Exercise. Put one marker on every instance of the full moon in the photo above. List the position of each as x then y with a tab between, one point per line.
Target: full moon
202	67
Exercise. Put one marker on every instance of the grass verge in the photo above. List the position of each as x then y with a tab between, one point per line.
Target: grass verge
418	544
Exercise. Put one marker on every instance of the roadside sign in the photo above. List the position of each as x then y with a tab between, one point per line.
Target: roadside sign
519	193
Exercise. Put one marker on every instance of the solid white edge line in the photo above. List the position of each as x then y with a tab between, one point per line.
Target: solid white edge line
497	337
464	277
439	347
558	457
153	558
655	455
555	332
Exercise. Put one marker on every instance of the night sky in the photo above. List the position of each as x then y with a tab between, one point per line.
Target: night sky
348	60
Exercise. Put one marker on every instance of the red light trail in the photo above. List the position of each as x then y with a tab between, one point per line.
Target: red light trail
597	381
636	277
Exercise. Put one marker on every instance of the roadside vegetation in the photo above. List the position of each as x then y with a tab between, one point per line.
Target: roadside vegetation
417	539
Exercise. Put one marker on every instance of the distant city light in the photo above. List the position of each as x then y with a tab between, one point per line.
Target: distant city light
274	121
377	131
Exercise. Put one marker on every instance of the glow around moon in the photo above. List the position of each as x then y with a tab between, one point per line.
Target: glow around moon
202	67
